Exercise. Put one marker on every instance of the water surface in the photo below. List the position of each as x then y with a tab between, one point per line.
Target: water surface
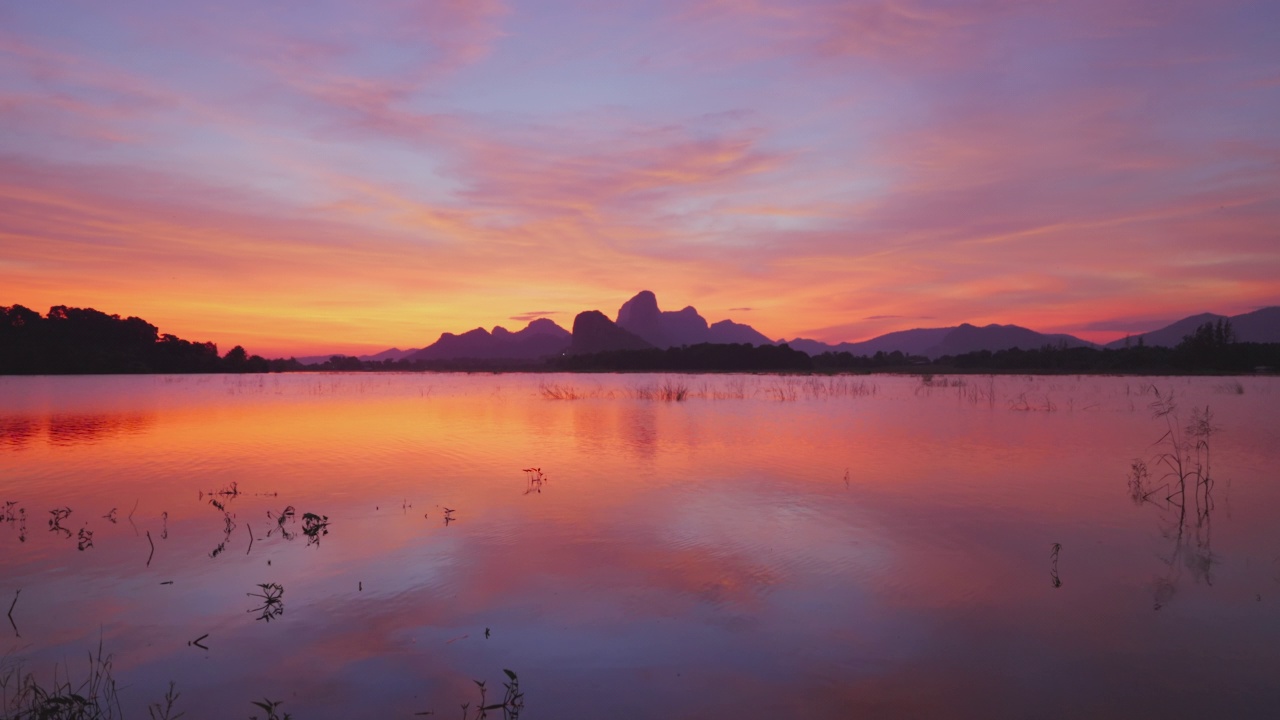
768	547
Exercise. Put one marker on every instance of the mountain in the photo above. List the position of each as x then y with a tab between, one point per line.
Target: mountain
728	332
968	338
594	332
390	354
641	317
910	342
1260	326
541	338
936	342
662	329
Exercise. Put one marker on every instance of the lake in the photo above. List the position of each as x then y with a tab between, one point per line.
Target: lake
647	546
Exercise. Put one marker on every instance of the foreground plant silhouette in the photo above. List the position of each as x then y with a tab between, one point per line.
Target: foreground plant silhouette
511	705
23	697
1186	485
269	707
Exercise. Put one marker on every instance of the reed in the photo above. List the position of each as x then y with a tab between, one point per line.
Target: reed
24	697
556	391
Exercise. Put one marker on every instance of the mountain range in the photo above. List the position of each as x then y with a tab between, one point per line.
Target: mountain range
1260	326
640	324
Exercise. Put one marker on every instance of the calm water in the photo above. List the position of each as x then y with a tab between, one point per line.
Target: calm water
767	548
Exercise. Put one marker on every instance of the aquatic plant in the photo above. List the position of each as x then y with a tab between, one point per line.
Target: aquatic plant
786	391
272	601
164	710
976	393
556	391
19	518
270	707
1186	484
512	700
12	605
55	521
24	697
536	480
314	526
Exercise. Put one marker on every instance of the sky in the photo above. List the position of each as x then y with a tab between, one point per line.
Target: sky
313	177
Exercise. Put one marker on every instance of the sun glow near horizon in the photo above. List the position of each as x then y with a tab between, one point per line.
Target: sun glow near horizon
351	180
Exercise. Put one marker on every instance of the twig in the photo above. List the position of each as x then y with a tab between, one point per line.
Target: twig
196	642
11	606
246	526
153	548
135	507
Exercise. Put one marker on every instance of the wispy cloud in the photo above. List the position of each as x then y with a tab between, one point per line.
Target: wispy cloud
846	167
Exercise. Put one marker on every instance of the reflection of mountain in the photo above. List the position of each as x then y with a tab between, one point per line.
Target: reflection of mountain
936	342
1260	326
541	338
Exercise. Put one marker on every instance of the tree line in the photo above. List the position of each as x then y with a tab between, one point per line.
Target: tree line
68	341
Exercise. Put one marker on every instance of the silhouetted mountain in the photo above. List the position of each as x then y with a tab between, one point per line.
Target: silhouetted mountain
729	332
391	354
1259	326
968	338
541	338
640	315
936	342
594	332
909	342
685	327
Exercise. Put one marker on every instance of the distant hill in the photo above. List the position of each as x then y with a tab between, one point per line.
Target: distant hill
540	338
728	332
968	338
1260	326
937	342
663	329
391	354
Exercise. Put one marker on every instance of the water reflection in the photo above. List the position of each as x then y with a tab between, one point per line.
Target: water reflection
1053	565
823	554
1184	495
15	517
270	601
16	432
534	481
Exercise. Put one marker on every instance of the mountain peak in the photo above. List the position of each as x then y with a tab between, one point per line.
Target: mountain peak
594	332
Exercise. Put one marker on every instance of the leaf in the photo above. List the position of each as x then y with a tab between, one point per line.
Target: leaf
509	673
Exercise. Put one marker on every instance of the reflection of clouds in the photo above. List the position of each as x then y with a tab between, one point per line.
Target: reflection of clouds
77	429
16	432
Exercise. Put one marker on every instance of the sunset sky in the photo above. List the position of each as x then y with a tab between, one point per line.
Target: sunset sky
307	177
